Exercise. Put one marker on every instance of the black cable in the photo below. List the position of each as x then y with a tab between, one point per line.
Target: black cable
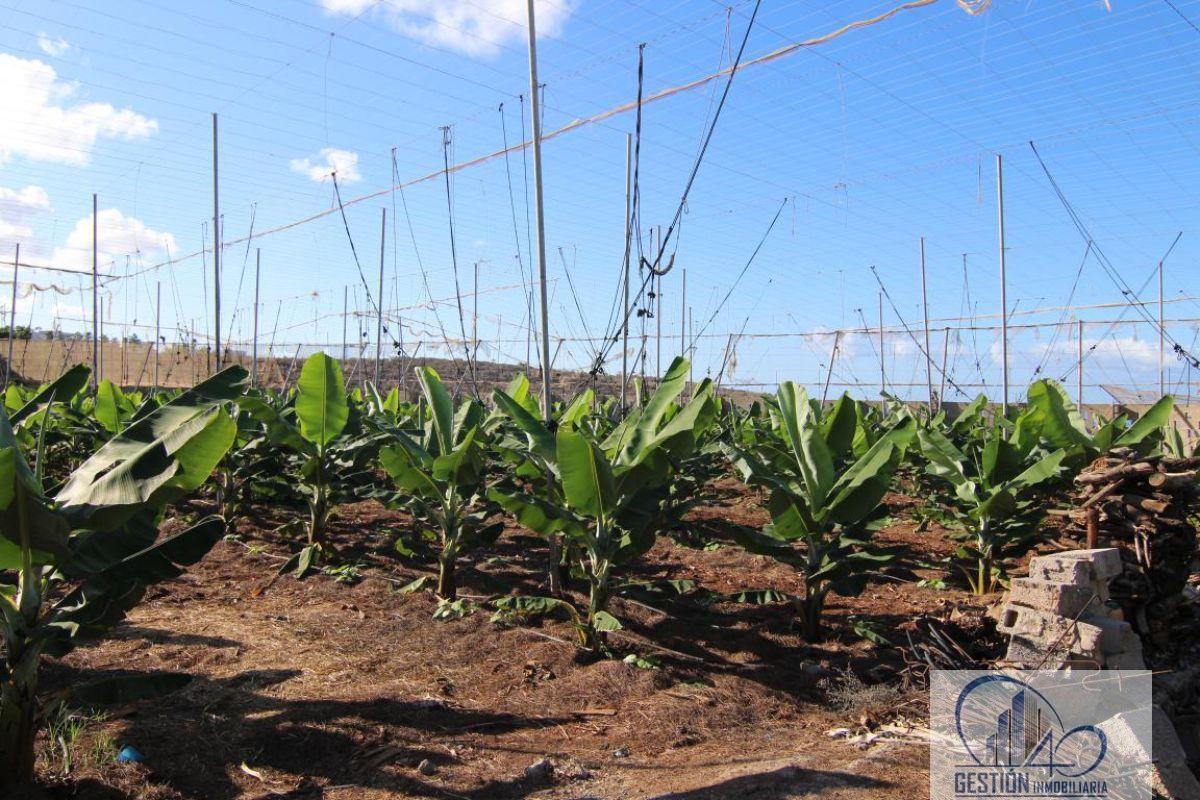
462	324
913	336
741	274
655	267
526	286
1175	8
1062	318
1110	270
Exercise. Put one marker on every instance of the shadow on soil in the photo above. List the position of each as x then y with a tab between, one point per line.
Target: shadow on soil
786	782
194	739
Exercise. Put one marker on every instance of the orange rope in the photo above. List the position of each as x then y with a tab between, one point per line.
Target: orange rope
970	6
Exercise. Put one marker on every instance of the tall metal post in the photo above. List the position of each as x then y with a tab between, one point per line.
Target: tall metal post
658	373
925	312
837	338
882	369
379	299
628	247
100	365
12	318
1162	338
1003	281
216	249
691	353
683	317
345	320
945	353
254	345
95	295
539	219
475	316
158	328
1079	372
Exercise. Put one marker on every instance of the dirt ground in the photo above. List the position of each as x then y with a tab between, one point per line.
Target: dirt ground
322	689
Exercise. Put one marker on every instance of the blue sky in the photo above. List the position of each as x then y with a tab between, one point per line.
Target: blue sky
871	141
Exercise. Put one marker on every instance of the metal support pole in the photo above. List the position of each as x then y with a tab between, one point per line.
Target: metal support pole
1162	338
945	353
345	321
691	354
216	249
539	218
683	317
1079	373
628	246
925	312
1003	281
158	328
100	368
882	370
12	317
254	345
475	318
95	296
837	338
658	373
379	299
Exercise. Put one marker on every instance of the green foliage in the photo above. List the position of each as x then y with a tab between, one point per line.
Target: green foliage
440	474
991	477
826	475
82	557
609	497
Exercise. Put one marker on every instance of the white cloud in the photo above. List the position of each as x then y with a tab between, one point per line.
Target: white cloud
17	209
1130	350
330	159
39	125
468	26
53	47
117	236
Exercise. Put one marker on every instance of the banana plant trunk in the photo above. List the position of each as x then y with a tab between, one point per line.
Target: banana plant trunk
556	573
18	727
318	508
597	602
447	588
811	609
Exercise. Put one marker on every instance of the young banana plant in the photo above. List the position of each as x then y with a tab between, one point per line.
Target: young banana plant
606	498
991	478
1051	417
826	477
441	476
84	557
309	429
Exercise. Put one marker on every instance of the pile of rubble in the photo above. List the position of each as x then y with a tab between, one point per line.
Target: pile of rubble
1062	616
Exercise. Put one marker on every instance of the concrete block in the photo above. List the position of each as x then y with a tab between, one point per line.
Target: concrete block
1131	659
1173	779
1064	599
1116	636
1078	567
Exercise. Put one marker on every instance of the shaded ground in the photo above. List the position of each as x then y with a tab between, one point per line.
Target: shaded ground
322	689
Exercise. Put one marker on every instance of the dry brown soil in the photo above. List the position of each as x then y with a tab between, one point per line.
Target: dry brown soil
318	689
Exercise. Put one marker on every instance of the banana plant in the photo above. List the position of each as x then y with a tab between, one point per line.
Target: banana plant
309	429
606	498
826	476
991	479
441	476
1052	417
84	556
